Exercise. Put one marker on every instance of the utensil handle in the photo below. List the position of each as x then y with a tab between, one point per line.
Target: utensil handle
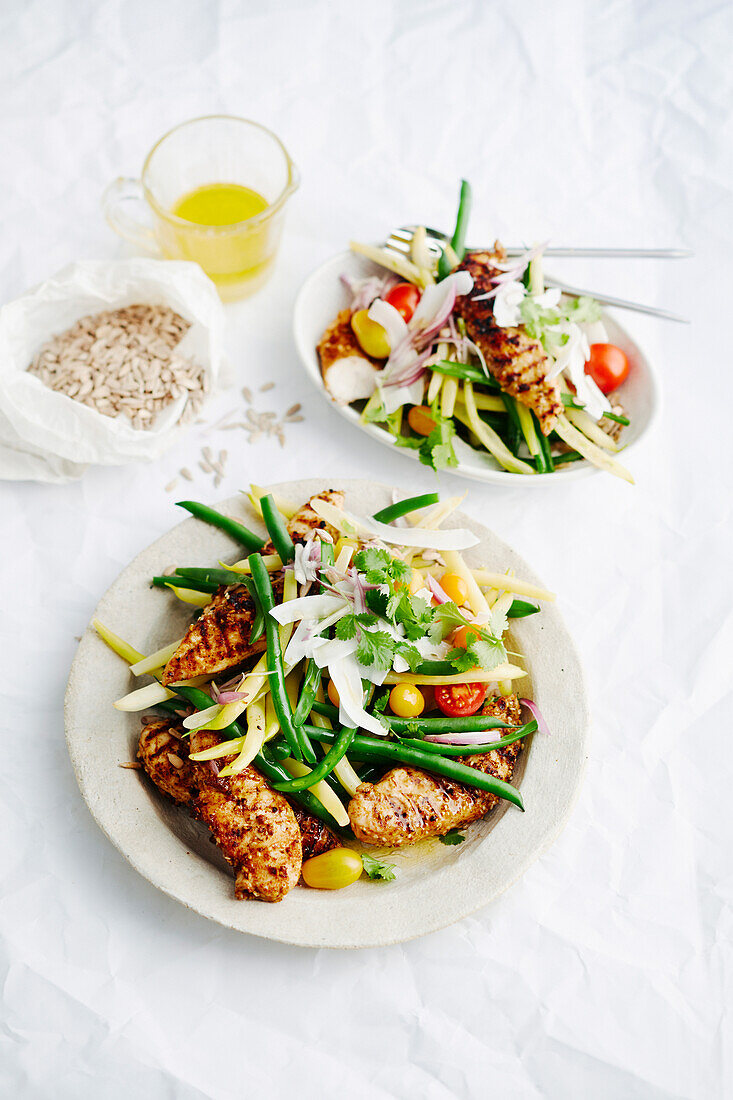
614	253
620	303
121	198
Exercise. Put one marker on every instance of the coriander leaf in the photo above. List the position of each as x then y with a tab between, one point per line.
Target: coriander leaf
488	652
436	449
499	623
376	648
411	654
453	836
346	628
462	659
378	869
371	558
446	619
400	570
380	702
581	310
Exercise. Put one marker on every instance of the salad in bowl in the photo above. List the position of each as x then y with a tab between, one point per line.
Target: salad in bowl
467	356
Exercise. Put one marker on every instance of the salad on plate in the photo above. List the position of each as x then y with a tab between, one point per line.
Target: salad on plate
452	350
346	687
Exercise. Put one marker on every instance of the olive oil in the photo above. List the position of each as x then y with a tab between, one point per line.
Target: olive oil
220	204
214	227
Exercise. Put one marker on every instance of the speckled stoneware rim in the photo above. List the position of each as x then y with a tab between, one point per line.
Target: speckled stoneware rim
436	884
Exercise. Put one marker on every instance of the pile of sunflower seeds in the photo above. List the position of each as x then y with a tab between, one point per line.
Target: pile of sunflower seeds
123	362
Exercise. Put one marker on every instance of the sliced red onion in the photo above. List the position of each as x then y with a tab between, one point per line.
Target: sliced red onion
364	291
232	696
439	594
536	713
214	692
478	737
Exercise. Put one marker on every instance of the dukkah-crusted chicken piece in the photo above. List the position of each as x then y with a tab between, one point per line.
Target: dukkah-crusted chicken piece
407	804
219	639
253	826
316	837
305	520
349	374
517	361
164	756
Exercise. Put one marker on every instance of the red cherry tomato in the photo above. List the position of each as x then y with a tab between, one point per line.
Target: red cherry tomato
607	366
404	297
460	700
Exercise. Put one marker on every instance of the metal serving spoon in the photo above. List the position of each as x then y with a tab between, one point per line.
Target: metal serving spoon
400	241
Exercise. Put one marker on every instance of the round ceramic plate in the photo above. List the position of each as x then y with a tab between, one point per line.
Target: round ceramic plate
436	884
323	295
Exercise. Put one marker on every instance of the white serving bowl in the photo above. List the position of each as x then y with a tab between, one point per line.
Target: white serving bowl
323	295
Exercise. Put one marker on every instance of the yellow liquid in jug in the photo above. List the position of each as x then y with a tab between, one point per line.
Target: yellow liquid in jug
235	254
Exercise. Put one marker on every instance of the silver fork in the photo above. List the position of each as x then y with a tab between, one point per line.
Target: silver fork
400	241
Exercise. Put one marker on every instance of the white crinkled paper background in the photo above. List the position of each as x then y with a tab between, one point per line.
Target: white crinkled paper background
606	971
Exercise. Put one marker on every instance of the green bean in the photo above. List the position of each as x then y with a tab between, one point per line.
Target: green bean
567	456
276	773
202	701
280	700
515	428
619	419
545	454
404	507
322	769
520	609
461	370
446	749
277	530
474	723
184	582
458	240
225	523
226	577
374	748
438	668
308	690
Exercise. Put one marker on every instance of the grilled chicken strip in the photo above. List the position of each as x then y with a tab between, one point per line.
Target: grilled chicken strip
219	639
305	520
517	362
254	827
349	374
408	804
164	756
315	837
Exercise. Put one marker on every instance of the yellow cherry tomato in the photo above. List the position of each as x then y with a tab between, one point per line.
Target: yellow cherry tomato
406	701
420	420
454	587
332	870
417	581
333	695
371	335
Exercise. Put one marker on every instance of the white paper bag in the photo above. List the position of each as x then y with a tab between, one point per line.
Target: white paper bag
47	436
